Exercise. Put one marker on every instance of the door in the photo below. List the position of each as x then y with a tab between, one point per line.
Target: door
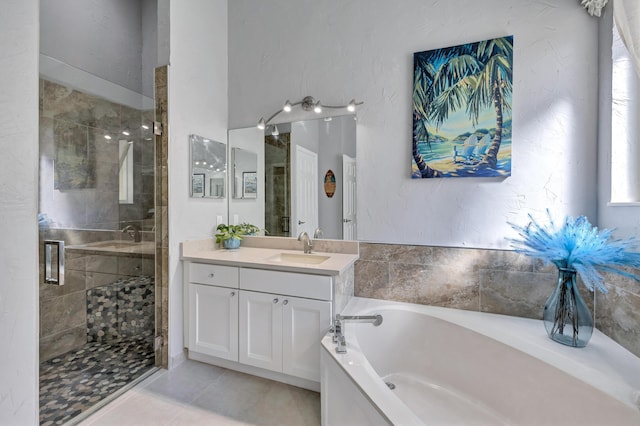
305	217
213	321
261	330
349	225
304	323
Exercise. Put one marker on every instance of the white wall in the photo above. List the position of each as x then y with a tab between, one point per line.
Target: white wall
18	210
250	210
336	51
103	38
197	81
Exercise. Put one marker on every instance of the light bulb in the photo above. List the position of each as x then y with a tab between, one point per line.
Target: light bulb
287	106
107	137
317	108
261	124
275	131
352	105
126	132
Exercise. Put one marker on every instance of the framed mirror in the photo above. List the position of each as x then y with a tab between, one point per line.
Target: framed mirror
208	168
245	173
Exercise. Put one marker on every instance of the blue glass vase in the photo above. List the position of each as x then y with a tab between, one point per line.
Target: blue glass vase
566	316
231	243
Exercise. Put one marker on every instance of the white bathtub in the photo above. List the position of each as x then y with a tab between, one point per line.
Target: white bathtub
469	368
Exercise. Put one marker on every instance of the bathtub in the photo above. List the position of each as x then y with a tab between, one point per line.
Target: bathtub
449	367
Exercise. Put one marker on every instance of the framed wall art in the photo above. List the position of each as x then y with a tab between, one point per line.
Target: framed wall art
462	110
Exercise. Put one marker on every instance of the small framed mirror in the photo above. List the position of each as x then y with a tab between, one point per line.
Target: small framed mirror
245	173
208	168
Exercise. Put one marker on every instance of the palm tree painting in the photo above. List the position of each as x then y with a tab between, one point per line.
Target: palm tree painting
462	110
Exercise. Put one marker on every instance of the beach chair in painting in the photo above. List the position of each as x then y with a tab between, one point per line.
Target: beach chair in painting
467	152
481	148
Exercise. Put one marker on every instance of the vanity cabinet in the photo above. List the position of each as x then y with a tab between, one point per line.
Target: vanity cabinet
263	322
282	333
213	310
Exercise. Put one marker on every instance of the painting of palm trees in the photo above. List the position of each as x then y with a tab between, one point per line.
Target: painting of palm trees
462	110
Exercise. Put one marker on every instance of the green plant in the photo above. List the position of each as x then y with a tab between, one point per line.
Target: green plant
249	229
226	232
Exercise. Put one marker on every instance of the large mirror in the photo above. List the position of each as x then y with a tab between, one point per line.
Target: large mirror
208	168
309	176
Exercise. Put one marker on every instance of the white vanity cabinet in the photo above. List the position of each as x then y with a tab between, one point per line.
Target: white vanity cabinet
213	310
283	316
263	321
282	333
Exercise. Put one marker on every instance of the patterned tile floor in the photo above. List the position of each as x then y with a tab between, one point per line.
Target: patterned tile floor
73	382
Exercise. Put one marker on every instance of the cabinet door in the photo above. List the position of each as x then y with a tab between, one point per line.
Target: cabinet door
213	321
261	330
304	323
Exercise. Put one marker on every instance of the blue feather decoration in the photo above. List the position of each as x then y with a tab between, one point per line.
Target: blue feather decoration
577	244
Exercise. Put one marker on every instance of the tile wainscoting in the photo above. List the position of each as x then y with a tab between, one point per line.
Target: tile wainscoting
496	281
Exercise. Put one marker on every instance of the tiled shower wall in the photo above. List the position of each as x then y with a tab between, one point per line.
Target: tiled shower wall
496	281
63	309
85	194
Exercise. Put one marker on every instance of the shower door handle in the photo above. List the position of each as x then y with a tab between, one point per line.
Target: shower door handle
54	271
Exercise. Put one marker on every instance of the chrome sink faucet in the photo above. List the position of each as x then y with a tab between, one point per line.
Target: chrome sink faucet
307	243
133	232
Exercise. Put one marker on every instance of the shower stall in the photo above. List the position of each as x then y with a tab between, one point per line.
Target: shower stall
99	307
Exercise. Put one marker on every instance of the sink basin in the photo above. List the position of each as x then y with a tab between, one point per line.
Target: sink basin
305	259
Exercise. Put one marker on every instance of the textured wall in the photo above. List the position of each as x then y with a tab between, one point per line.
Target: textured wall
18	210
336	51
103	38
496	281
197	93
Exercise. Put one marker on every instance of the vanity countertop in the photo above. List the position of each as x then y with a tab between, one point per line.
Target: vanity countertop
279	256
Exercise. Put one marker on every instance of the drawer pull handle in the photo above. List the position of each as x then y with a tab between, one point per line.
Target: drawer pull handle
233	293
275	300
285	301
211	275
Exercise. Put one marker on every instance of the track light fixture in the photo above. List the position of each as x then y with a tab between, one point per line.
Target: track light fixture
308	103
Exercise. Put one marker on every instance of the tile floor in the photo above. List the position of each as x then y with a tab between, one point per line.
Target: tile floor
197	394
72	383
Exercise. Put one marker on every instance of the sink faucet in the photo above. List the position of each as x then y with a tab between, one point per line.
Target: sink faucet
133	232
306	242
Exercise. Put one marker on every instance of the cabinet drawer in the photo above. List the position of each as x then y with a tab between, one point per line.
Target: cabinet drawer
287	283
223	276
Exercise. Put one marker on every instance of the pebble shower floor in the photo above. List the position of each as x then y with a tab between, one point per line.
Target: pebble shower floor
72	383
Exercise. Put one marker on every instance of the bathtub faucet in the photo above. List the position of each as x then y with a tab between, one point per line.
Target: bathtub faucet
376	319
338	336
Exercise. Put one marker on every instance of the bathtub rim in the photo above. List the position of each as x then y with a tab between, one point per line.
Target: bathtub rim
602	364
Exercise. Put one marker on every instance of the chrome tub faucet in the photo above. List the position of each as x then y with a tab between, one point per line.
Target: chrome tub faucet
338	335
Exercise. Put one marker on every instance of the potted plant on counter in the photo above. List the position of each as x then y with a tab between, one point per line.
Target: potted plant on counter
249	229
229	235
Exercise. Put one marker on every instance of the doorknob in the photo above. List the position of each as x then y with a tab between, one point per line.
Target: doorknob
300	222
346	220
